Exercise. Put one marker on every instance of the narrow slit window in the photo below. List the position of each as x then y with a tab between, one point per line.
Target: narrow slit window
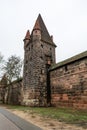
66	68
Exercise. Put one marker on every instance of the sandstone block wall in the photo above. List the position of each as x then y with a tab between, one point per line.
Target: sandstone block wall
37	56
16	94
13	93
69	84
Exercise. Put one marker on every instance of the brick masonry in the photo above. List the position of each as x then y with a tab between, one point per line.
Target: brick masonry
69	84
38	56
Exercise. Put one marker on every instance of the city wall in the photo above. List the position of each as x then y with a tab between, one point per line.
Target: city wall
69	82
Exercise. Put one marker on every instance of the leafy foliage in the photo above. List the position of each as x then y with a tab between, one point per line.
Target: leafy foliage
1	64
13	68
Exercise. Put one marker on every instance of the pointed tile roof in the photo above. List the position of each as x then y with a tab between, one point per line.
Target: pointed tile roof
27	36
45	36
37	25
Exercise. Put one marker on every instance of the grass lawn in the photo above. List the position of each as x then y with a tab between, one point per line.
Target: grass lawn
67	115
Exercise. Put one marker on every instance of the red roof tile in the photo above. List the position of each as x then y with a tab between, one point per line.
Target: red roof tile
45	36
37	25
27	35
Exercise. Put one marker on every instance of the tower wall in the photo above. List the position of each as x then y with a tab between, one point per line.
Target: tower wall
39	55
36	58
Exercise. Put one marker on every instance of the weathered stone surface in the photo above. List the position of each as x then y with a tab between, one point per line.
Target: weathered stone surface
69	86
11	94
39	55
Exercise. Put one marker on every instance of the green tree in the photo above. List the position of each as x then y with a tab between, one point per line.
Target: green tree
13	68
1	65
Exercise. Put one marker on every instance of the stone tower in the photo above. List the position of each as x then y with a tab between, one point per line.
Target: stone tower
38	56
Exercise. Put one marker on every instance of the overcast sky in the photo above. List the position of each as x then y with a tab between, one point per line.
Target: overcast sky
66	20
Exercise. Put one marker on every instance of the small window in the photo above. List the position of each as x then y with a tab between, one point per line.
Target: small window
32	46
26	61
41	57
66	69
85	64
41	45
42	71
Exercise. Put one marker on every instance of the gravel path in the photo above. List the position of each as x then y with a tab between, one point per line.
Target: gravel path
10	121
